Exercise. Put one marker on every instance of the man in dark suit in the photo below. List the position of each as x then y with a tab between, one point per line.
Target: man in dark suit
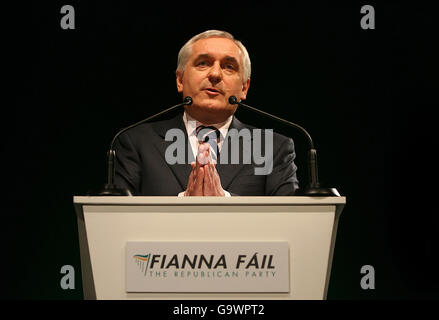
212	66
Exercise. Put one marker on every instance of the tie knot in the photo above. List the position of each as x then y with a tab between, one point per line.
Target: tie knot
205	133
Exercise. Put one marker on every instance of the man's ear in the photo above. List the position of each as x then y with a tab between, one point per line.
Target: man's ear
244	90
179	76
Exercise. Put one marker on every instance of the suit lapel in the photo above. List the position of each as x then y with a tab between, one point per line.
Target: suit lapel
228	172
180	171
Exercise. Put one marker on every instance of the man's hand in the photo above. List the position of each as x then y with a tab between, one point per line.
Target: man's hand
204	179
195	182
212	183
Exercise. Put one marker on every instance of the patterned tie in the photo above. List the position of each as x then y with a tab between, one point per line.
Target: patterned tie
211	135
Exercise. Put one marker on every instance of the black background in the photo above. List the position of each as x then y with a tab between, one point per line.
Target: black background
366	97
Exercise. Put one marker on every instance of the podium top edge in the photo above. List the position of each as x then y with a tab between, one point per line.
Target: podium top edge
162	200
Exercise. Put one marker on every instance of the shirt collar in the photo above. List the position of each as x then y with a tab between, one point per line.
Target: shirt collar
191	125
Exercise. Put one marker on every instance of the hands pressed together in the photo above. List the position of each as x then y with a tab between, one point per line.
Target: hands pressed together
204	179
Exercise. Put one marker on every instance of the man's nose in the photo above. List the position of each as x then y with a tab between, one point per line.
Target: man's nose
215	73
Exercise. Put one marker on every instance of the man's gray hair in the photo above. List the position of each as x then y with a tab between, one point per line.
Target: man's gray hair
186	50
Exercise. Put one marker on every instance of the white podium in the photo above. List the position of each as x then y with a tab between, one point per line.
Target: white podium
106	224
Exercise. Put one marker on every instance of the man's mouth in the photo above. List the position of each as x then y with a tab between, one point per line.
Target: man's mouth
212	91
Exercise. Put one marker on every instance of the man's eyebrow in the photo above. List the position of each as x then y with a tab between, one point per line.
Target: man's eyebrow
231	59
226	58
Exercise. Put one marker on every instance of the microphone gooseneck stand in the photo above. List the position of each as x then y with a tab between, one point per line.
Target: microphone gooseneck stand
313	189
110	189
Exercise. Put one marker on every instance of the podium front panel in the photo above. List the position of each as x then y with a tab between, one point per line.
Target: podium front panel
307	225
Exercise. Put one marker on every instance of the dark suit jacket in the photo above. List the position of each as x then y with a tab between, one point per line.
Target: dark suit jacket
141	166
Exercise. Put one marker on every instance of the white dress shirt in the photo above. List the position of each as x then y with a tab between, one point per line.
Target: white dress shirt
191	125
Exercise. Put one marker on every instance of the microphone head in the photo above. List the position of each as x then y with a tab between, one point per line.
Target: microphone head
187	100
233	100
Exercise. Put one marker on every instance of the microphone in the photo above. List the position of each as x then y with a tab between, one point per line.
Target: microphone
313	188
110	189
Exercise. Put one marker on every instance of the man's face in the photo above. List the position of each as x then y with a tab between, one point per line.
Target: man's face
213	73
